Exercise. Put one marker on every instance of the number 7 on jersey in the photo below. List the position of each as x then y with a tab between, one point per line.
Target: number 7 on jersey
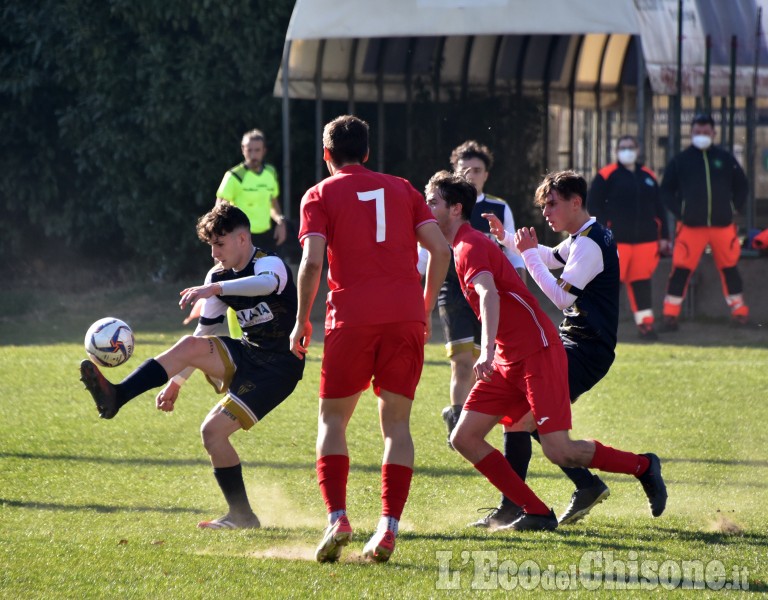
381	218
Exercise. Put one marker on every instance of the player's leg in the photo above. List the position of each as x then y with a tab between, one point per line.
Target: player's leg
726	251
346	371
397	369
218	426
204	353
469	440
396	472
689	246
461	331
560	449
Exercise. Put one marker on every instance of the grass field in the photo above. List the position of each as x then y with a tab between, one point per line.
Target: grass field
107	509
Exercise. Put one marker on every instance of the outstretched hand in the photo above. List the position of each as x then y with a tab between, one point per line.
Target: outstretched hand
166	398
193	294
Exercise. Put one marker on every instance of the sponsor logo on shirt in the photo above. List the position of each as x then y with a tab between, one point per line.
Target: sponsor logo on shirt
255	316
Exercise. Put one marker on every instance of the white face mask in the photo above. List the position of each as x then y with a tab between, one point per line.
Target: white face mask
702	142
627	157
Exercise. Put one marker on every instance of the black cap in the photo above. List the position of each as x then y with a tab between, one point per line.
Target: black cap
703	119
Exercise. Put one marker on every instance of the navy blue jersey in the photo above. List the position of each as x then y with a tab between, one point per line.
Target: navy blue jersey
594	317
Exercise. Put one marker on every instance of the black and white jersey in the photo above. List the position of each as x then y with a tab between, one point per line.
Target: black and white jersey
266	320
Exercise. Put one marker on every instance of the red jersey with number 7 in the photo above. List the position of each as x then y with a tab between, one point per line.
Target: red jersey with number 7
369	222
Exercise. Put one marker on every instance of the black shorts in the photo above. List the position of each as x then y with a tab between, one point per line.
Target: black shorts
256	380
587	364
461	327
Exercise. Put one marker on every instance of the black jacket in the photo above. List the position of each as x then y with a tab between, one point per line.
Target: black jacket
628	203
702	187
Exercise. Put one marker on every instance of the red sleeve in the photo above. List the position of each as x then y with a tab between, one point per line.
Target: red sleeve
421	212
314	220
471	260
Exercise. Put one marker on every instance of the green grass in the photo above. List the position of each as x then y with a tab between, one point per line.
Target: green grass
107	509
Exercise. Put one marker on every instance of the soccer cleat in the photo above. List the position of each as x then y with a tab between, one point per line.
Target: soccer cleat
740	322
336	536
584	500
229	522
530	522
103	392
669	324
380	547
451	417
654	486
500	516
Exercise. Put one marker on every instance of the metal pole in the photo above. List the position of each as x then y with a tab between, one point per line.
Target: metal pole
678	104
640	111
751	125
286	133
732	93
319	163
707	67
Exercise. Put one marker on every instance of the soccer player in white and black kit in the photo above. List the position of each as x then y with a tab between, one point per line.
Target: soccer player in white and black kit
257	371
587	292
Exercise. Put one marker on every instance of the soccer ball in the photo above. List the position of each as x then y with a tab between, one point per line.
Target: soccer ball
109	342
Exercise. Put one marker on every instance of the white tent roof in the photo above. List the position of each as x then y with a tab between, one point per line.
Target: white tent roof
319	19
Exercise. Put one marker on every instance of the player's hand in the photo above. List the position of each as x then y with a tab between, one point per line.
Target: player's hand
525	239
280	233
497	228
483	368
166	398
665	248
191	295
301	336
428	329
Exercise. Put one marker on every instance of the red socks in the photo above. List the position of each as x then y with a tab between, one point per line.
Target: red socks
332	472
617	461
497	470
395	485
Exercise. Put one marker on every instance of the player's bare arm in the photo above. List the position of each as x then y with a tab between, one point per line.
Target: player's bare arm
431	238
308	282
279	219
485	287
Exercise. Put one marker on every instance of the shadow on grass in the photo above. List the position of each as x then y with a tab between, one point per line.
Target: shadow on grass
101	508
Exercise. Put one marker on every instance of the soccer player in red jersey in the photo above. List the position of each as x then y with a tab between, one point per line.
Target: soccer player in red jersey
522	369
377	320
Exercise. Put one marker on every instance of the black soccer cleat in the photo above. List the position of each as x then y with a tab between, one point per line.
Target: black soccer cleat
584	500
529	522
500	516
654	486
103	392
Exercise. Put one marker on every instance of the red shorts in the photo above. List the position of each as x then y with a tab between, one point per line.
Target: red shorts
538	383
392	354
690	243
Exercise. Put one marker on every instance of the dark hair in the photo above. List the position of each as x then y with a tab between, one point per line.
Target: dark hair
454	189
703	119
565	183
472	149
224	218
626	137
346	139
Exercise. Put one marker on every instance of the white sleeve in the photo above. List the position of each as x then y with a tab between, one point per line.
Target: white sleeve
545	280
509	250
270	274
583	264
421	265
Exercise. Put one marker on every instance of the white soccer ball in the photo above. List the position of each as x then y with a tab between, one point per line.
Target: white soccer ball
109	342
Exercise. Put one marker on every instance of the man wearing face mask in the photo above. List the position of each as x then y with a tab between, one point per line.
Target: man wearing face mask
701	187
624	196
